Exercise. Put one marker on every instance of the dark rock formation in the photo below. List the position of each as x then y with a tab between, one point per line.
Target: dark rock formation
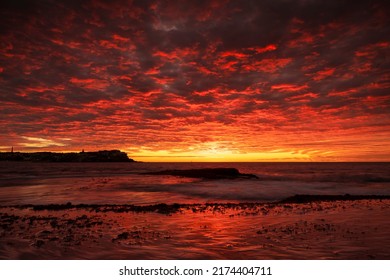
206	173
100	156
162	208
306	198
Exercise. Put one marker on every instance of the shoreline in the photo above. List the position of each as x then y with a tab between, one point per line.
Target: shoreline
339	229
176	207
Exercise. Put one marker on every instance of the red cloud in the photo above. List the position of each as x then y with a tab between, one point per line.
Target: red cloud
344	93
235	54
178	53
267	48
224	65
322	74
153	71
371	51
306	97
269	65
89	83
302	40
120	38
202	69
288	87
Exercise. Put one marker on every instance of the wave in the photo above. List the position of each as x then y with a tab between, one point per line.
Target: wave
164	208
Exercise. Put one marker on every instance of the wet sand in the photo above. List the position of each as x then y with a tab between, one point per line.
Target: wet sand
313	229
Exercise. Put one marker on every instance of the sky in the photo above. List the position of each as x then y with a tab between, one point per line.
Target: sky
219	80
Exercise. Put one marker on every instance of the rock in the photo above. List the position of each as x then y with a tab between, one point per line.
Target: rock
123	235
306	198
206	173
39	243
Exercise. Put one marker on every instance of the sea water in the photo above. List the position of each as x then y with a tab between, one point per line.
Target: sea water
125	183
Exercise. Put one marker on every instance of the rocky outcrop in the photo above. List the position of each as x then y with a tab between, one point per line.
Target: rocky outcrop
206	173
99	156
306	198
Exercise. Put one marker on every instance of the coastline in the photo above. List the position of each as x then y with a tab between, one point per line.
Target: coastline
98	156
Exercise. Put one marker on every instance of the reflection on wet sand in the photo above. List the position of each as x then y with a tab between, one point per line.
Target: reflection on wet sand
351	229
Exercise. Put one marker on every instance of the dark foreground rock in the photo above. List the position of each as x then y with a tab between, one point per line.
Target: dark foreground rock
206	173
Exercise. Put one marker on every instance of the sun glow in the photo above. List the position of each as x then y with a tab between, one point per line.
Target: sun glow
221	152
214	150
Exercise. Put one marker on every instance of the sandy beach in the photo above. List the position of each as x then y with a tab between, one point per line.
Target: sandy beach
351	229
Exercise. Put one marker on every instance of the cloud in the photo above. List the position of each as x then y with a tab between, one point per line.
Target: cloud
36	142
155	75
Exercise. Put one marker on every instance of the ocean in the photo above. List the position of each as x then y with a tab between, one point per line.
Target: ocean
125	183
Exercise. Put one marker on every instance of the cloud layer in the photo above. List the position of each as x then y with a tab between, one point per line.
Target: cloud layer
227	80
